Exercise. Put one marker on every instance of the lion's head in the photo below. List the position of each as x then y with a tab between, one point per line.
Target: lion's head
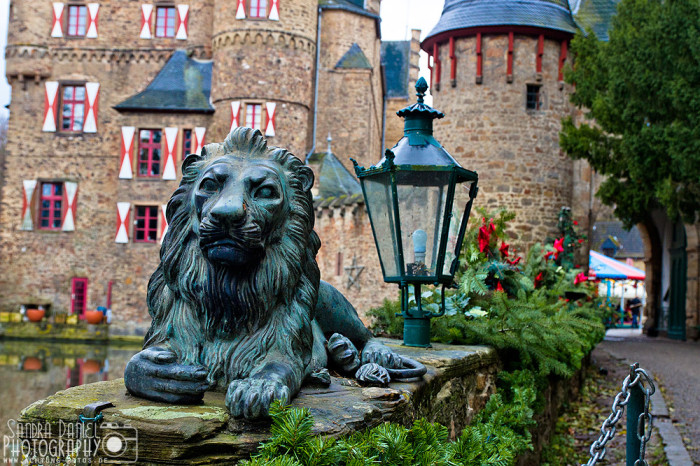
239	255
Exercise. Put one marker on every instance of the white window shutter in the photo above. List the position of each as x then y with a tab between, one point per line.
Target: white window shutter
182	18
125	162
123	209
93	9
50	106
235	114
163	221
92	91
274	11
240	11
146	12
169	172
28	188
57	26
70	190
199	135
270	127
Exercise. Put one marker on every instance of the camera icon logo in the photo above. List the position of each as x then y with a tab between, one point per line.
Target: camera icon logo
119	442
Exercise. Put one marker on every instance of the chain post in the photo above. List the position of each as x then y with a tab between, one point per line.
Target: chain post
635	407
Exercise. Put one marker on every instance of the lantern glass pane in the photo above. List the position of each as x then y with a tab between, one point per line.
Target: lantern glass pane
380	206
458	207
422	196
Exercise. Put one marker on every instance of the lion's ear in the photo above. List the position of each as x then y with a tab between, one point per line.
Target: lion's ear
190	159
306	176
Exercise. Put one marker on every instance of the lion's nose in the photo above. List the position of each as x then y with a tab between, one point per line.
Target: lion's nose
230	211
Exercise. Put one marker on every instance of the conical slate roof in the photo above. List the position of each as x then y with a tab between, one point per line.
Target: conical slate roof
546	14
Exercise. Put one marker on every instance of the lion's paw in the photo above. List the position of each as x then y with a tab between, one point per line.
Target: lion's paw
343	352
375	352
373	374
251	398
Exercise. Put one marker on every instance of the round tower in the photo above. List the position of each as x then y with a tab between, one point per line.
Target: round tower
497	74
264	54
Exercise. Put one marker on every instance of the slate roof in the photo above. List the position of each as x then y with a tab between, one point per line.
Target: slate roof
596	15
182	85
396	61
462	14
334	180
630	242
354	59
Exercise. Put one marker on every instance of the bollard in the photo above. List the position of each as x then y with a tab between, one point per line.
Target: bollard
635	408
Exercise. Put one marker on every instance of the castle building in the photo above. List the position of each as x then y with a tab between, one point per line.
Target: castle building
108	98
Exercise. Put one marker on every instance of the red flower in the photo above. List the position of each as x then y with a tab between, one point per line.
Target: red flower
504	249
484	238
514	261
580	240
580	278
559	246
499	287
548	255
538	279
575	222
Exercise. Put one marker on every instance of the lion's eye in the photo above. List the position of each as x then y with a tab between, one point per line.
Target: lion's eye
266	192
209	185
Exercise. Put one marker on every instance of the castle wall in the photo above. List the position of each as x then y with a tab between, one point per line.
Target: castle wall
488	129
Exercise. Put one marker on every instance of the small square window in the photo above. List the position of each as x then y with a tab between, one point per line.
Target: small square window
534	97
165	21
51	206
146	224
73	108
150	146
253	116
258	8
77	20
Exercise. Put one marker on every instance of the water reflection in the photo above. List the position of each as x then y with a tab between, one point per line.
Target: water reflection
31	370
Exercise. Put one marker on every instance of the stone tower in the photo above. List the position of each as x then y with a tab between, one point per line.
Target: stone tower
497	74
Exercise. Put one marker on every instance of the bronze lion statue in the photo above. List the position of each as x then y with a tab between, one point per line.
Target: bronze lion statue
237	302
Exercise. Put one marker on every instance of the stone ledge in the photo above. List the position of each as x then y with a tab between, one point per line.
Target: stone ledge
458	383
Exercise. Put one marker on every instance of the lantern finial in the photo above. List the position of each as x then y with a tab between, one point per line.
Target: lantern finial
421	87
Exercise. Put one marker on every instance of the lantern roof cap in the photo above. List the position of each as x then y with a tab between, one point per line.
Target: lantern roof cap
420	109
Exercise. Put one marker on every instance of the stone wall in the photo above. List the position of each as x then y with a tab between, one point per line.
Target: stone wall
488	129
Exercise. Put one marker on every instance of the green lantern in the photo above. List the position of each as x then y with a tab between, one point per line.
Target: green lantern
418	199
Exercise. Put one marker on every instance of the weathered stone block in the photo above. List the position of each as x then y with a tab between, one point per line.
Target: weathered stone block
459	381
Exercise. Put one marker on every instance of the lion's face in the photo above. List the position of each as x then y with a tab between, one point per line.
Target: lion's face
241	206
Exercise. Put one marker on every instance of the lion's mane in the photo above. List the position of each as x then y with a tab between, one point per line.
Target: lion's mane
229	320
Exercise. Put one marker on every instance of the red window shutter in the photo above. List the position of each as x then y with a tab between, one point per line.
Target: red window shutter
28	190
92	91
240	11
57	26
274	11
182	17
163	221
123	209
169	172
270	127
146	12
199	135
125	162
70	194
50	106
235	114
93	9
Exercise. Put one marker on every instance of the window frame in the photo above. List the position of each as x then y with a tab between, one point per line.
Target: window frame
73	282
80	6
266	12
166	8
52	209
185	140
62	85
263	115
149	160
538	102
147	217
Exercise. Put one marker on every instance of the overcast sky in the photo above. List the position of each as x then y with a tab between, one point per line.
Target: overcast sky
398	18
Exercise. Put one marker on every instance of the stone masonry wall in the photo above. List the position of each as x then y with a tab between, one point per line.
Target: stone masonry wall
488	129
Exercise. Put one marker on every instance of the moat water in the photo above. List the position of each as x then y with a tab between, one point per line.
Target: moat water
32	370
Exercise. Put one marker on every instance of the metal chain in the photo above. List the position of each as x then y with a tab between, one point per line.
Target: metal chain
609	427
